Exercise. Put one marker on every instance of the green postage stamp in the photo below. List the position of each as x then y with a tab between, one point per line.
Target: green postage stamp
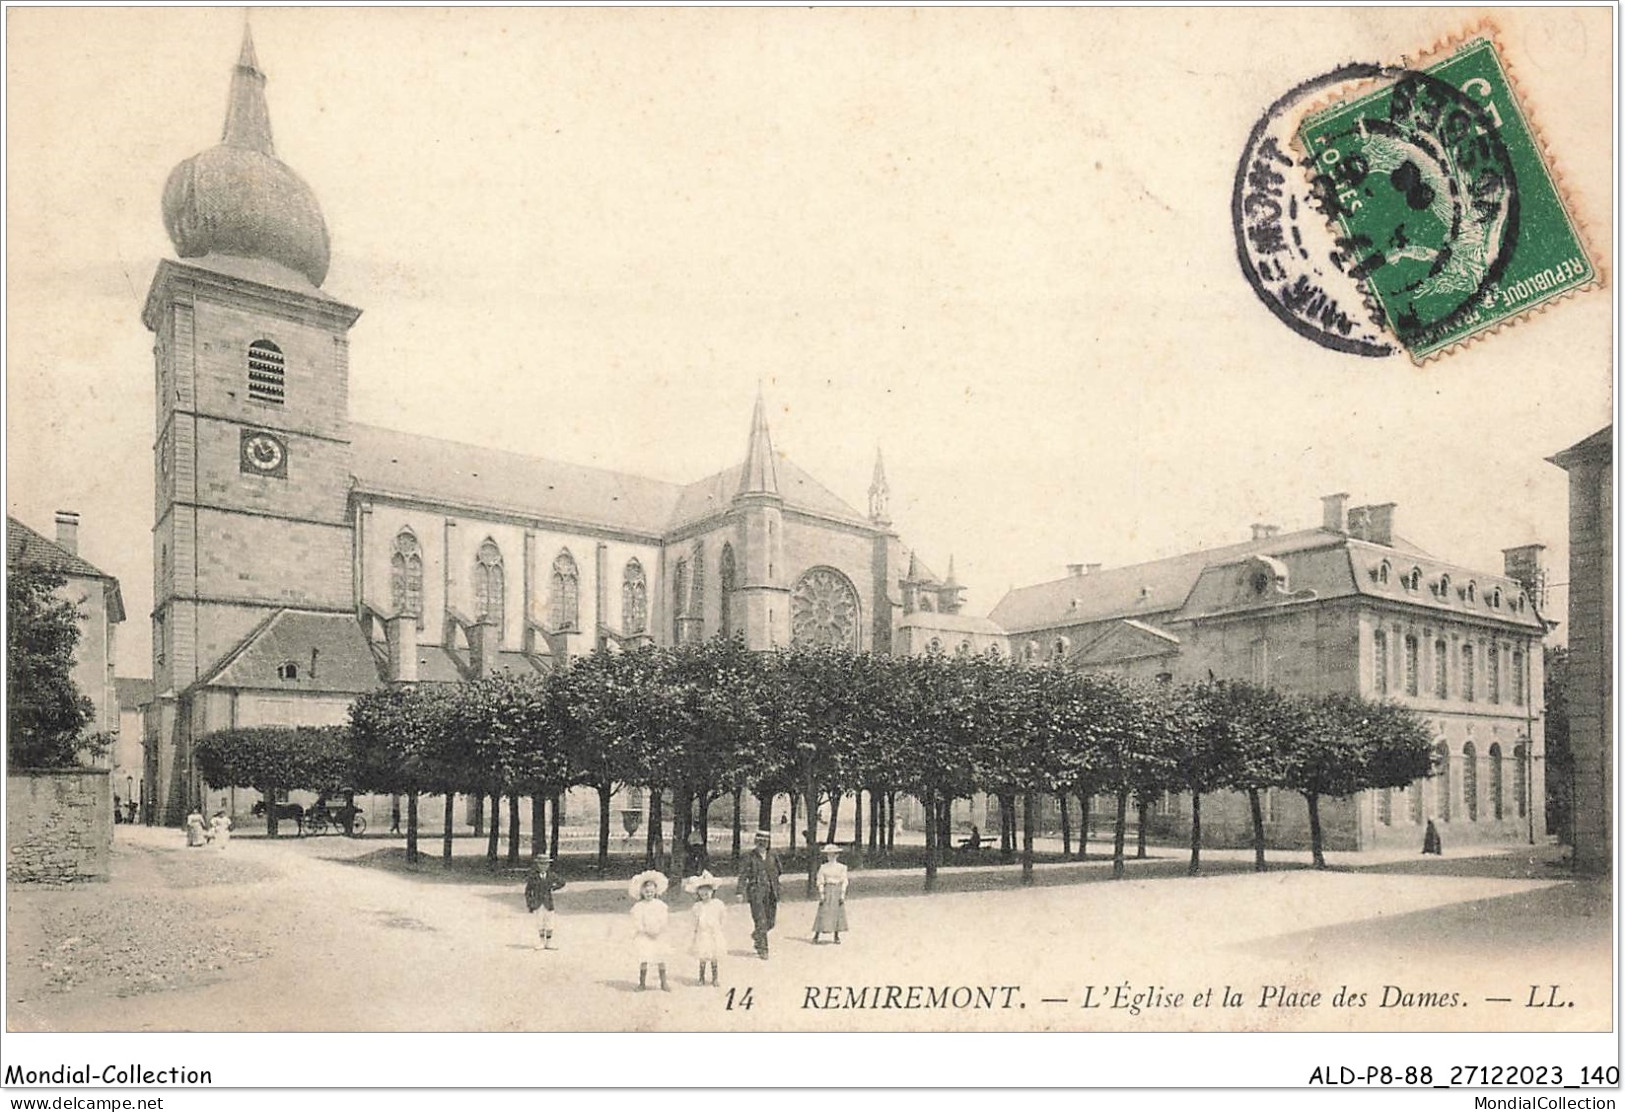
1442	201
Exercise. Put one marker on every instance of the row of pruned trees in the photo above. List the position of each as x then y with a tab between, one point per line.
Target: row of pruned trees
699	723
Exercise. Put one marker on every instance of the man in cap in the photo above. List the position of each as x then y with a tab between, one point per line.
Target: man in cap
759	885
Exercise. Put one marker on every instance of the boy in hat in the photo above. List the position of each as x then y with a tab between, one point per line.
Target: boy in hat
708	942
759	885
539	889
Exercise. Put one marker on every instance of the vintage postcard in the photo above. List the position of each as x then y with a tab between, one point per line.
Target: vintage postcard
867	525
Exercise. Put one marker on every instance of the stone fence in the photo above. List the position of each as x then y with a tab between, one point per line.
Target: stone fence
59	824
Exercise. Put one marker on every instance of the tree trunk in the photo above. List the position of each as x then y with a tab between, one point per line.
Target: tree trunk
1257	807
412	829
269	795
857	821
890	828
1083	826
703	818
945	826
1196	834
1139	834
874	824
931	848
652	847
1121	834
513	828
834	813
1066	829
495	833
449	817
812	837
739	819
538	824
604	791
1029	801
764	810
479	815
1007	828
1316	846
557	809
795	817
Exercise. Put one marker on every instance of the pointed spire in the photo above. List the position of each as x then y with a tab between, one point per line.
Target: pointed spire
879	493
760	474
913	565
248	120
950	581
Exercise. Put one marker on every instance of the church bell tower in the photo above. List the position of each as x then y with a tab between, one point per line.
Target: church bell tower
252	446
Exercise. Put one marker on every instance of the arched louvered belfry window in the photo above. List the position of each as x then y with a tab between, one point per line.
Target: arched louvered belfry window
728	579
564	598
406	576
490	586
267	373
634	599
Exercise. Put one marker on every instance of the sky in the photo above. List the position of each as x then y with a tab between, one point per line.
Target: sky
994	244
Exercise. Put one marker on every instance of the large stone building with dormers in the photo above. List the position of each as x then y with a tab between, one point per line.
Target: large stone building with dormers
301	558
1350	606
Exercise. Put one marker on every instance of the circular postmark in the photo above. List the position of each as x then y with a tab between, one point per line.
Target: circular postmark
1283	241
1422	188
1386	221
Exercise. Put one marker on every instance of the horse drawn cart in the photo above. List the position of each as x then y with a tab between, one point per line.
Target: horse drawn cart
341	818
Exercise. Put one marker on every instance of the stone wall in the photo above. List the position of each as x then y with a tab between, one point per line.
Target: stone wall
59	825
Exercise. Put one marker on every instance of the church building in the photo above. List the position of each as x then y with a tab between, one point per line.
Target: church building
302	558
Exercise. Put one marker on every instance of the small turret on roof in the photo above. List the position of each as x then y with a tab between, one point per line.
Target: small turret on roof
760	475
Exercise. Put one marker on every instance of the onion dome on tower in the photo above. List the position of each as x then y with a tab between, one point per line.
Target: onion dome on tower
238	198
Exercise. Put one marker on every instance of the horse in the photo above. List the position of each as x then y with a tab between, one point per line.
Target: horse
283	811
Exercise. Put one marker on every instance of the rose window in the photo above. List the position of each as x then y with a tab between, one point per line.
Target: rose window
824	610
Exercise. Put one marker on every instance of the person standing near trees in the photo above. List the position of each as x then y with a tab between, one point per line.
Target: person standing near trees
539	889
759	886
831	895
649	918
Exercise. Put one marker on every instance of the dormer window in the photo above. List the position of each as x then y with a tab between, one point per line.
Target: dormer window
1383	571
1444	588
1413	579
1495	598
1472	591
266	373
287	671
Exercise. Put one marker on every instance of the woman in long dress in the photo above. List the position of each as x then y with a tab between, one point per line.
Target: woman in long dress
831	895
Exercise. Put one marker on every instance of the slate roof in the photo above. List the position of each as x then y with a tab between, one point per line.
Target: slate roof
1323	564
344	661
26	548
444	471
132	693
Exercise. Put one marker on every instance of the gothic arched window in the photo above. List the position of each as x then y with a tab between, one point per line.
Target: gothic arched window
679	600
406	576
727	576
634	599
564	599
490	586
267	374
696	587
824	610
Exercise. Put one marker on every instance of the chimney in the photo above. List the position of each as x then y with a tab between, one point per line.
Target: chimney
1381	529
1263	532
67	531
1523	564
1359	523
1091	569
1334	513
1076	569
